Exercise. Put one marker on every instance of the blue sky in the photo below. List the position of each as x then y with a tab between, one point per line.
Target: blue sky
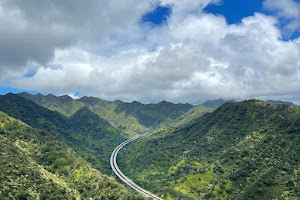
157	16
5	90
233	10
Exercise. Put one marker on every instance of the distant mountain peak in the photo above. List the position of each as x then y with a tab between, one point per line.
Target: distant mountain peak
280	102
9	94
25	93
136	103
90	100
214	103
65	98
48	95
164	101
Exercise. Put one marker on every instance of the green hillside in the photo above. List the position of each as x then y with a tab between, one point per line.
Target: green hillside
247	150
90	136
95	137
107	110
191	114
62	104
214	103
152	115
34	115
131	118
34	165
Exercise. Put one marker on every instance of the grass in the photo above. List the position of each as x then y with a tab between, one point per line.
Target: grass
195	182
173	169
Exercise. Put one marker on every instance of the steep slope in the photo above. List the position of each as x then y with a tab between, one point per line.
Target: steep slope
85	132
135	117
96	137
132	118
120	120
153	115
247	150
34	115
214	103
62	104
34	165
191	114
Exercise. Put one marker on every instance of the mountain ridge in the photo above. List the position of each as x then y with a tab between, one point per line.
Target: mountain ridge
133	117
226	154
280	102
195	152
81	138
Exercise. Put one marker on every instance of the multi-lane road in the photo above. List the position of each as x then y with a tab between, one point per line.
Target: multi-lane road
125	179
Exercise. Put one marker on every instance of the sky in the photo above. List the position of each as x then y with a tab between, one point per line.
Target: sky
152	50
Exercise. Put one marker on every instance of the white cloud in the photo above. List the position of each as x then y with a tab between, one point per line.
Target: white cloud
195	58
285	8
181	7
288	10
32	30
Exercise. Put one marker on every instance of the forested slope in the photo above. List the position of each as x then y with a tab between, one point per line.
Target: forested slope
34	165
90	136
246	150
132	118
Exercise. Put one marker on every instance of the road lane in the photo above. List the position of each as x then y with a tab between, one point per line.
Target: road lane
125	179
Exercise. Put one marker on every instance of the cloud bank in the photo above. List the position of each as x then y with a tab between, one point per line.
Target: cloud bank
101	48
288	11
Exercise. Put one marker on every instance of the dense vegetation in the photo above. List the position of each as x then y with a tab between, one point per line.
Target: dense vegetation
62	104
217	103
131	118
247	150
34	165
190	115
90	136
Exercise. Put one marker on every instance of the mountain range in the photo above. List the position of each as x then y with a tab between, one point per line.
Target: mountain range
59	147
131	118
246	150
217	103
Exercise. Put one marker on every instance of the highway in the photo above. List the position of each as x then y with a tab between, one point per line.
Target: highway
125	179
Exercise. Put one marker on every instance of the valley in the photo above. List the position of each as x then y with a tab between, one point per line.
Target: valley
241	150
150	100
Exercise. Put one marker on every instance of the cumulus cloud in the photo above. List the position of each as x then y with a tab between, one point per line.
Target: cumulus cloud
194	57
288	10
32	30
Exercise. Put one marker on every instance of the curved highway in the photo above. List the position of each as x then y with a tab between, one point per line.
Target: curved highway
125	179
